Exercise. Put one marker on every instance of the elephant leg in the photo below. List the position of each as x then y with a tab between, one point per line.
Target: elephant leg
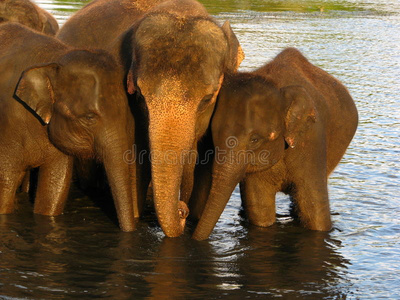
26	182
53	185
311	195
258	197
9	183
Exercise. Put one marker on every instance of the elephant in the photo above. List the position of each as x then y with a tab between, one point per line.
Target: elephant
54	105
174	56
281	128
29	14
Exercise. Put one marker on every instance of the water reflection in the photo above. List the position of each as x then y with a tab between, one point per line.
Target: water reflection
31	252
274	261
52	257
283	260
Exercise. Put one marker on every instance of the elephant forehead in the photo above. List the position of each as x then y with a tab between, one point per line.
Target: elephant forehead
141	5
91	61
158	25
186	46
83	96
240	116
21	11
83	82
259	113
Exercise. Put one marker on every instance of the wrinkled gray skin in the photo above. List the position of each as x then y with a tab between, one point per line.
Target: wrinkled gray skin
283	127
29	14
174	56
53	105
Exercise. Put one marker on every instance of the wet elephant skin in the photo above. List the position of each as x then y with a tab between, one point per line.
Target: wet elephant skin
174	56
52	107
281	128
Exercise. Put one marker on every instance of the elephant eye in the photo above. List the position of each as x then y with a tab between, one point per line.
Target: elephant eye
205	102
89	118
255	140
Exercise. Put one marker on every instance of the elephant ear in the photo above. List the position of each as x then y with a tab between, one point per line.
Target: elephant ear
235	52
300	111
127	57
35	90
130	82
49	23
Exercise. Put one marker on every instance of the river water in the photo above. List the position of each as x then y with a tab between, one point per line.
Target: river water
82	254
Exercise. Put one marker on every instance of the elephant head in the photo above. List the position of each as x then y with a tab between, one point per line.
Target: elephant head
253	125
29	14
82	101
178	57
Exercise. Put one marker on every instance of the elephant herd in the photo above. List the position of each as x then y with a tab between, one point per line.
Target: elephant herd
160	77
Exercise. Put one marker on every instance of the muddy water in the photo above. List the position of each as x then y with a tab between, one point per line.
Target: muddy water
82	254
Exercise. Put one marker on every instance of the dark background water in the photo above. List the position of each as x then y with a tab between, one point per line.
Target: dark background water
82	254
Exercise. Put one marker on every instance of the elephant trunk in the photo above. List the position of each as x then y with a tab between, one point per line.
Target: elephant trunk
170	139
225	176
121	178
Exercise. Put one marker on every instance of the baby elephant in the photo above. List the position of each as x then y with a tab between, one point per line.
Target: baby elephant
283	127
56	102
29	14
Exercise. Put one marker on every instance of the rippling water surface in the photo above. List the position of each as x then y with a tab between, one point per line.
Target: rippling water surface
82	254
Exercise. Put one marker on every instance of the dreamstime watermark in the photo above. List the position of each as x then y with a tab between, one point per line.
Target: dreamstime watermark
220	156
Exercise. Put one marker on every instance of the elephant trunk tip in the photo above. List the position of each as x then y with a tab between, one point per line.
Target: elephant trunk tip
175	232
177	229
183	210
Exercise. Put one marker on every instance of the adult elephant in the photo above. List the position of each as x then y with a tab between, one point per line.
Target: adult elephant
174	56
29	14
